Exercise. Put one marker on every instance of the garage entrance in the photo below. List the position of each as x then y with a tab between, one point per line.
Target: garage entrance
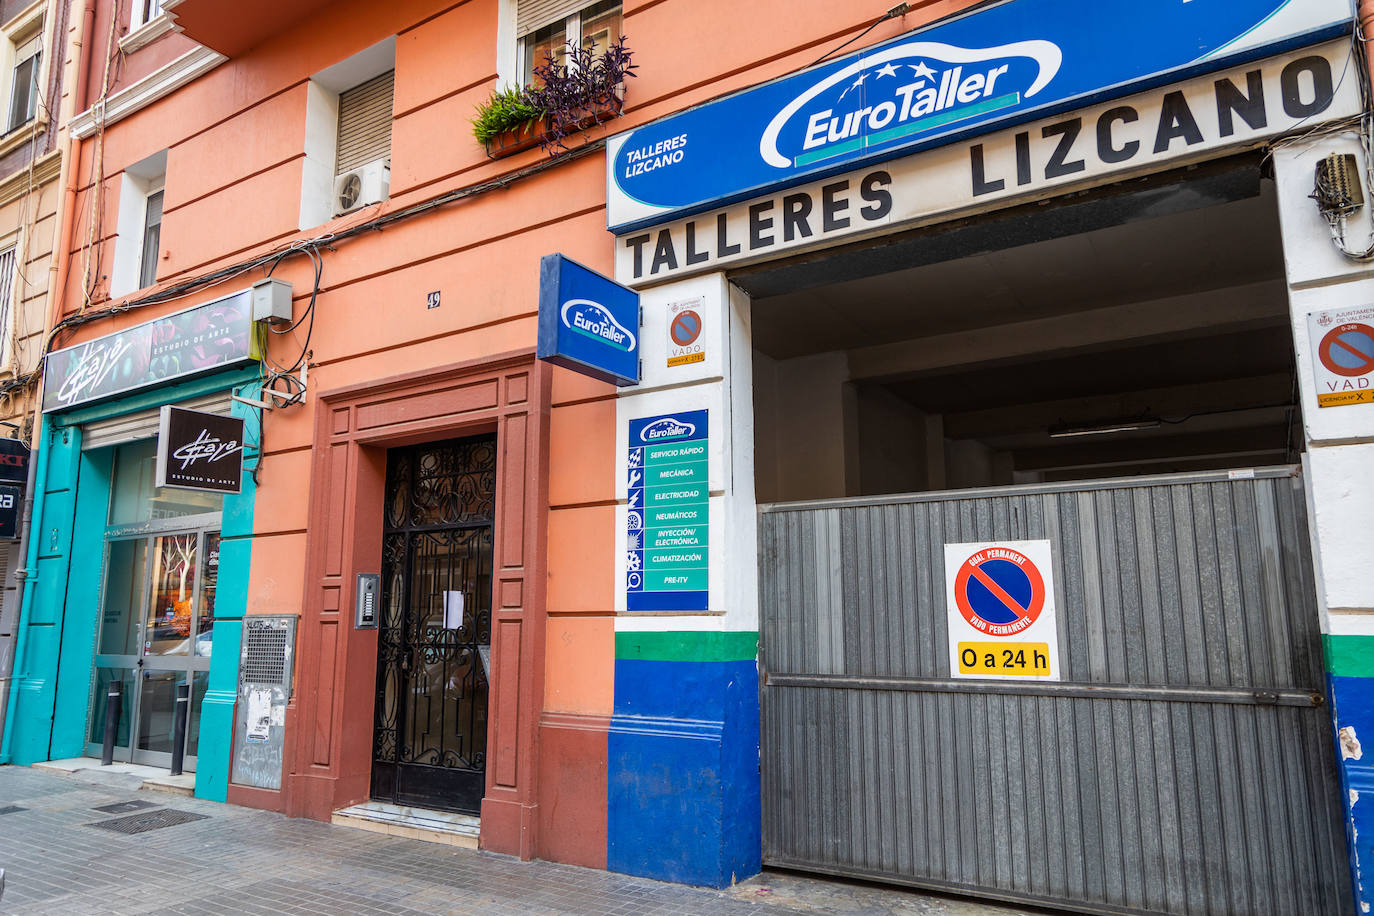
1113	374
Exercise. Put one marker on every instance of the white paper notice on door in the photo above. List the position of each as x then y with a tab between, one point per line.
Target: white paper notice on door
259	714
453	610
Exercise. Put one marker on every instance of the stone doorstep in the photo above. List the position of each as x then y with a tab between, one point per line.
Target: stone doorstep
413	823
123	775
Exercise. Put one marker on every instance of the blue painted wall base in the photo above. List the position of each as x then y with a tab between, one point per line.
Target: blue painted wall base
683	799
1352	704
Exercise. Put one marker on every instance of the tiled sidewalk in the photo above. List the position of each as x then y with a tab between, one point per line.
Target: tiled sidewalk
243	861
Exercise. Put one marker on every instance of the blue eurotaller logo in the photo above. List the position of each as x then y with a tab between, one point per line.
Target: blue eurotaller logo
904	91
593	319
667	429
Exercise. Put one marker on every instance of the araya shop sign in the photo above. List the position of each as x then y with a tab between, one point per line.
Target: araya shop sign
199	451
587	323
202	339
1003	64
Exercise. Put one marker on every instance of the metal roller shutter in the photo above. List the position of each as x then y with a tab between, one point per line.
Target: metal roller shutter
531	15
365	122
143	424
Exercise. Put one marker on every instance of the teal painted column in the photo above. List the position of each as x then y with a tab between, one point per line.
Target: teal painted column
30	720
81	614
215	754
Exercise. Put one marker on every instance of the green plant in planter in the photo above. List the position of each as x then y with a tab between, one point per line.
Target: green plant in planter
507	110
563	99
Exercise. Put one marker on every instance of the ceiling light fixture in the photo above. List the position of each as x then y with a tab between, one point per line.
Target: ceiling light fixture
1103	428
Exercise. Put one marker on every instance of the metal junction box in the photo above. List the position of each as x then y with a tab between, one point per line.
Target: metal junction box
265	668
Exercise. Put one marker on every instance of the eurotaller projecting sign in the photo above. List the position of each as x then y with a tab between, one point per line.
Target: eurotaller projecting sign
1005	65
587	322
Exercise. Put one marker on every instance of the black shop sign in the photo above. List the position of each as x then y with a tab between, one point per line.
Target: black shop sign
199	451
14	461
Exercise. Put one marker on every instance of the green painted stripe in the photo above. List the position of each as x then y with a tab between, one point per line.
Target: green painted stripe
688	646
1349	656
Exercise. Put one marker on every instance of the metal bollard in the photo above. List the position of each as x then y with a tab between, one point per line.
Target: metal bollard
114	703
179	727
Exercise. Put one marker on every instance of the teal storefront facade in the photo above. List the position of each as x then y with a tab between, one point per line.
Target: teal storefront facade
102	539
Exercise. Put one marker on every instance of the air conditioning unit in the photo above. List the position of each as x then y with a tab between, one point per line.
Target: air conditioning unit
367	184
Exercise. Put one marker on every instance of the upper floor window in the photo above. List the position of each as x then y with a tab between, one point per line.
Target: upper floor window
152	239
143	12
138	225
546	27
7	296
26	52
348	115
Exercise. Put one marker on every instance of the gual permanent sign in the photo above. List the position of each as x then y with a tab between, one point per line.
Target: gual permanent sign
1000	65
201	339
1001	610
668	536
199	451
1233	110
587	323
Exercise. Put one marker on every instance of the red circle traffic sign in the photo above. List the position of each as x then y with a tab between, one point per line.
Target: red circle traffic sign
1348	350
999	591
686	328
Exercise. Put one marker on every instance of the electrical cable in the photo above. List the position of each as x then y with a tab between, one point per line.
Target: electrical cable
900	9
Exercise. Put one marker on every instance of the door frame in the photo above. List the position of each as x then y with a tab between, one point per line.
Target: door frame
199	525
328	756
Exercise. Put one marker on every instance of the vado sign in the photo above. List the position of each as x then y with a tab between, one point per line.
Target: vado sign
1003	64
1343	355
1001	610
587	322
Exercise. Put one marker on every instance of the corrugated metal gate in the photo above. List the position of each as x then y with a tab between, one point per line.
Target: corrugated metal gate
1185	764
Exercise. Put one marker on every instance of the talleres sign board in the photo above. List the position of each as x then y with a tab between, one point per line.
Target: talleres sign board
1005	64
587	323
199	451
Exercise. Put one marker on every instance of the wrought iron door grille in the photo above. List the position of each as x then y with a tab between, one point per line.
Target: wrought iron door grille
436	544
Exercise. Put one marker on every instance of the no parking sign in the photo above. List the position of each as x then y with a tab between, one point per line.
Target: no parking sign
1001	610
1343	355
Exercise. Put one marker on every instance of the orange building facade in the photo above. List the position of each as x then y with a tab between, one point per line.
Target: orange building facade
412	613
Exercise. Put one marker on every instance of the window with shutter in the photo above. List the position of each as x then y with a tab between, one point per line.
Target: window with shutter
365	123
545	27
531	15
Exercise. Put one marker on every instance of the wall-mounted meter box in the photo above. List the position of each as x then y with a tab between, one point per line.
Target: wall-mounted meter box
366	601
272	301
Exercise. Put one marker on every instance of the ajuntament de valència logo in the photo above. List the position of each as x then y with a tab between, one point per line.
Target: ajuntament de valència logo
667	428
902	91
596	321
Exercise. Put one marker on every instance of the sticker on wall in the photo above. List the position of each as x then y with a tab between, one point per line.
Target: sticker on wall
684	333
667	566
1001	610
1343	355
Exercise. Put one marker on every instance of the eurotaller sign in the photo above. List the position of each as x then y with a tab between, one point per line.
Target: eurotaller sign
1001	66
